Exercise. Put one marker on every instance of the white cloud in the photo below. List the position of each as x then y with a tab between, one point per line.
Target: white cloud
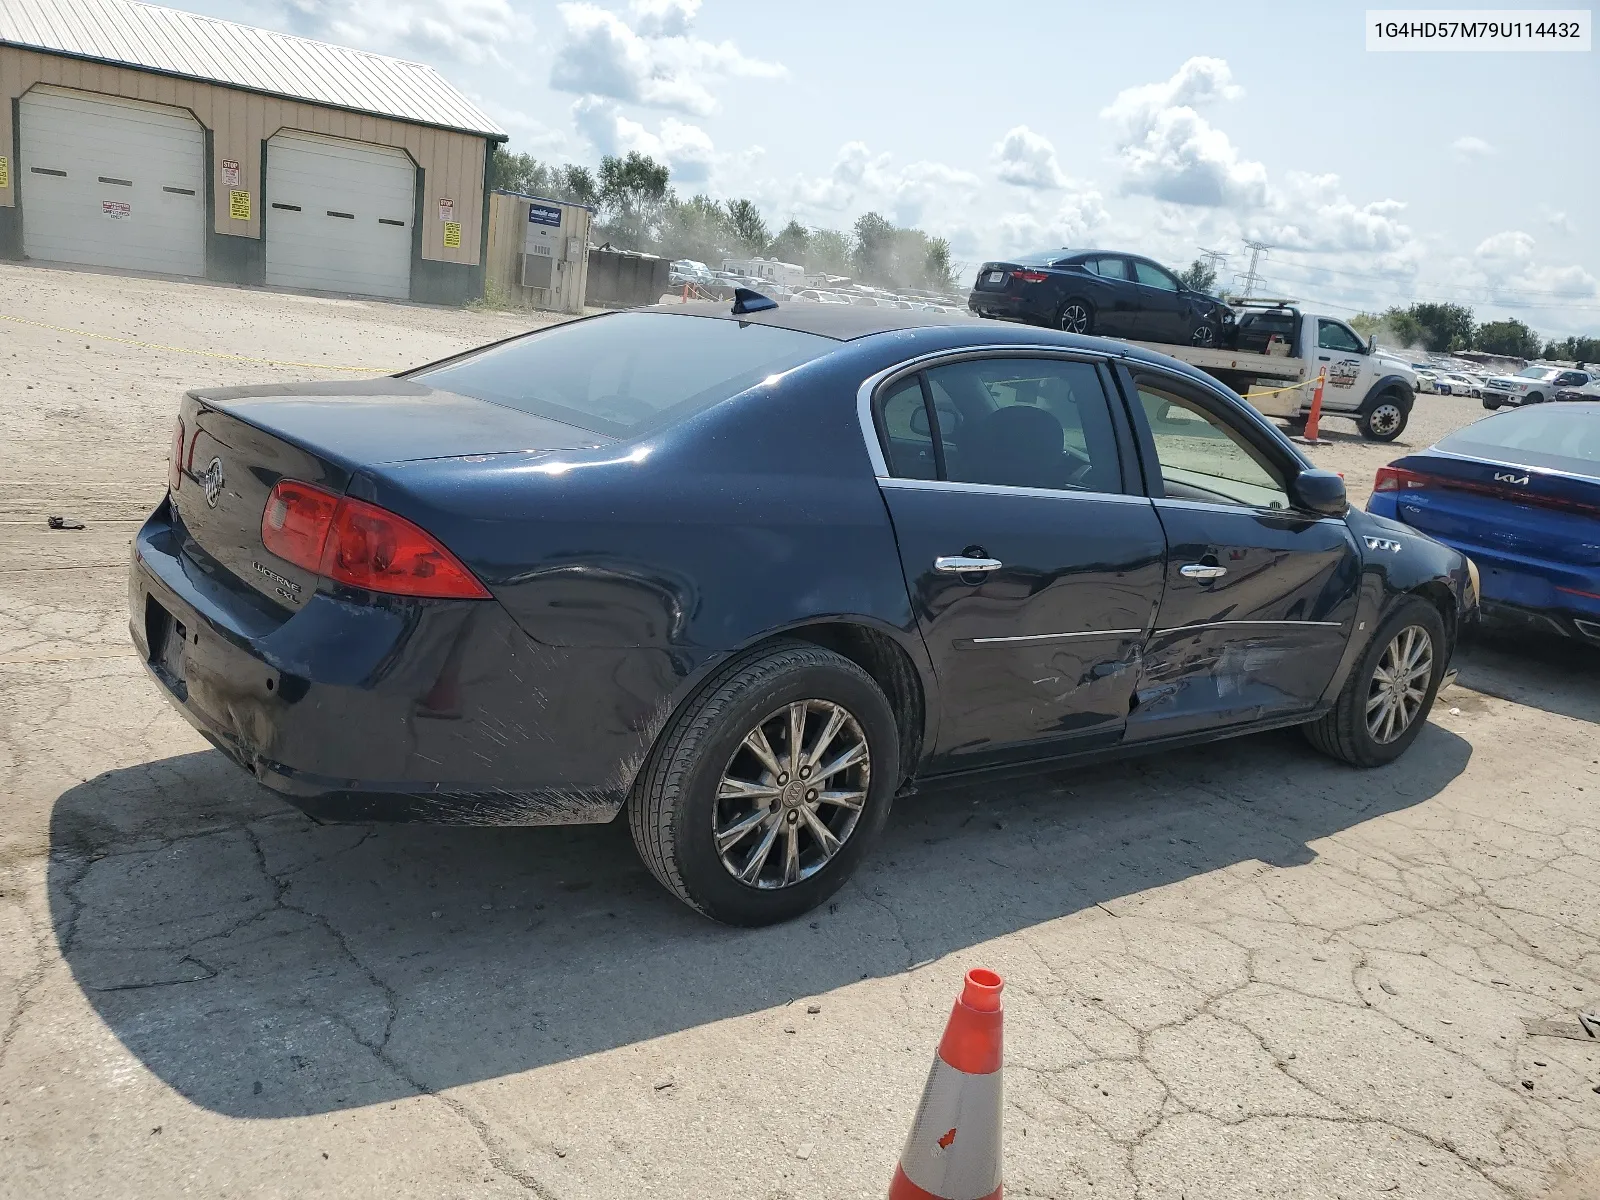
1027	159
686	149
1508	264
471	32
656	64
663	18
1559	221
860	181
1171	152
1310	212
1076	221
1471	147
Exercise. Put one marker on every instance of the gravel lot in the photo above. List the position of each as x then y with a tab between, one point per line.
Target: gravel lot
1235	971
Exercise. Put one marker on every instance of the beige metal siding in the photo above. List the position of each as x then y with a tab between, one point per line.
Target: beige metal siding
240	121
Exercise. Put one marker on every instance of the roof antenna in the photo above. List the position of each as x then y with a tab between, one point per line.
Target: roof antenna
747	301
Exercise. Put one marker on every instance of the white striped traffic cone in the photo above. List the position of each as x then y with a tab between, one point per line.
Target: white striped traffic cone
953	1152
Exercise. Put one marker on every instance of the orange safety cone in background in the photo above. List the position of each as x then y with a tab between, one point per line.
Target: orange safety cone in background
1312	435
953	1152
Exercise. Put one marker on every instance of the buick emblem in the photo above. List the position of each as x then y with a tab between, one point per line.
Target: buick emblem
212	482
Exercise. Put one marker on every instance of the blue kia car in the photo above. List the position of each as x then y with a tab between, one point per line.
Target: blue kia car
1519	494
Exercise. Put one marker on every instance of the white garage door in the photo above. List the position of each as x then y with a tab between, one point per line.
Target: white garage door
339	215
112	183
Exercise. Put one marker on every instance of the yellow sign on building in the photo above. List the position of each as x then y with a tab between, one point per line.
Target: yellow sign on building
5	171
452	234
239	205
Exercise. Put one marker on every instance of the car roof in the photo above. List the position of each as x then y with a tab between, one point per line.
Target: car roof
842	322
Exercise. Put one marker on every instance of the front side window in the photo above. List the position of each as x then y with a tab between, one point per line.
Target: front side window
1025	422
626	373
1203	458
1333	336
1153	276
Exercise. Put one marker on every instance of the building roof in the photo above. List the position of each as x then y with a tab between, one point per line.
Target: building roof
146	36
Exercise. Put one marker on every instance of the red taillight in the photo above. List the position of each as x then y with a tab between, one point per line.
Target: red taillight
175	459
296	521
1393	479
361	545
1029	276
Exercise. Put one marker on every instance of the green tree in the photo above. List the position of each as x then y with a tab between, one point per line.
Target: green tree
1407	330
696	228
577	185
937	272
632	193
510	172
1367	324
1573	349
792	243
1509	337
748	226
874	248
1199	275
830	252
1444	326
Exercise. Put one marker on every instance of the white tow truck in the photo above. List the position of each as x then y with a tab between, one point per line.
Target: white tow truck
1275	346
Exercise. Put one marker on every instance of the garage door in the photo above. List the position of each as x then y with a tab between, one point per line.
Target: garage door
112	183
339	215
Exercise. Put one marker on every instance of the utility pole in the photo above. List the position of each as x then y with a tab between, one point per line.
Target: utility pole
1257	249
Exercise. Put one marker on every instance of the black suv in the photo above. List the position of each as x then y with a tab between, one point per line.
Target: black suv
1104	292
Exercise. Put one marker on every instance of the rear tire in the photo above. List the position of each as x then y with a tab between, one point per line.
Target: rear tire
1385	420
1345	732
703	777
1076	316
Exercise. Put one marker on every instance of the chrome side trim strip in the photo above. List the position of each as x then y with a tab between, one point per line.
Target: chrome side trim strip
998	489
1223	624
1052	637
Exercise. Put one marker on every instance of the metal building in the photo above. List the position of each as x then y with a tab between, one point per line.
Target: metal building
147	138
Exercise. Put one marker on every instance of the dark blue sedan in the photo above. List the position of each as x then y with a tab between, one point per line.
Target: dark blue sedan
1103	292
1520	493
746	573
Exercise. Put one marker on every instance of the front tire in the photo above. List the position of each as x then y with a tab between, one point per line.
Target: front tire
1491	405
1385	703
1385	420
1076	316
709	815
1533	398
1206	333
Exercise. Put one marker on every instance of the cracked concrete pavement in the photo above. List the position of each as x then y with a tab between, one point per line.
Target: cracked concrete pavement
1237	971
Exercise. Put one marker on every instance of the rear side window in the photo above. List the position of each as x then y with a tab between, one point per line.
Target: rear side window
1007	422
1106	268
1557	438
626	373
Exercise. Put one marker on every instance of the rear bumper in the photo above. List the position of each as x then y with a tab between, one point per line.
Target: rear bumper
388	709
1004	306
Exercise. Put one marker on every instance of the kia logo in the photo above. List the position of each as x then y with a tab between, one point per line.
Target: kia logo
1508	477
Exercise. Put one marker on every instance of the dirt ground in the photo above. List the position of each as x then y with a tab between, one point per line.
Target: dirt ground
1235	971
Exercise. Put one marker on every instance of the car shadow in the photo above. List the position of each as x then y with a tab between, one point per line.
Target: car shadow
1541	670
264	966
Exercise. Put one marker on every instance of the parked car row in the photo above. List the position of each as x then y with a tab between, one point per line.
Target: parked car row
1536	384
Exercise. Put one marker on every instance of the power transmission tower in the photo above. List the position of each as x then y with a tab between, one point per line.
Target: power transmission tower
1257	249
1215	260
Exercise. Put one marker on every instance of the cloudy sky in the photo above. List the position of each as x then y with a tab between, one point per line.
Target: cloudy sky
1375	178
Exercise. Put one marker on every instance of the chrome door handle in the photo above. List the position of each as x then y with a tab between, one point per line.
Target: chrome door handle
960	564
1201	571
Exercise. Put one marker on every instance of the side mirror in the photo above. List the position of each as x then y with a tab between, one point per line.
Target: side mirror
1319	492
1372	344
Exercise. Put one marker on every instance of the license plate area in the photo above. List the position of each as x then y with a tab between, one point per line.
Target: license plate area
167	638
994	276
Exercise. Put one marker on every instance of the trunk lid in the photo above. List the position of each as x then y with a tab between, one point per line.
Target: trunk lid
1503	509
239	442
994	276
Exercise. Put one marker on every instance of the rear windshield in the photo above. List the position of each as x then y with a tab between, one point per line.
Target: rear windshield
1555	437
626	373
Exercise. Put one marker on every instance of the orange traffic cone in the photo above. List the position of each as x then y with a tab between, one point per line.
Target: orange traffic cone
953	1152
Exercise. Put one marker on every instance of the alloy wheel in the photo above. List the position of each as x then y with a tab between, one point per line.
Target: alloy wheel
1075	318
1399	684
1205	334
1385	419
791	794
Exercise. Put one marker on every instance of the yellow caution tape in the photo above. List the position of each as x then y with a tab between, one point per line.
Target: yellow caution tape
269	362
1251	395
